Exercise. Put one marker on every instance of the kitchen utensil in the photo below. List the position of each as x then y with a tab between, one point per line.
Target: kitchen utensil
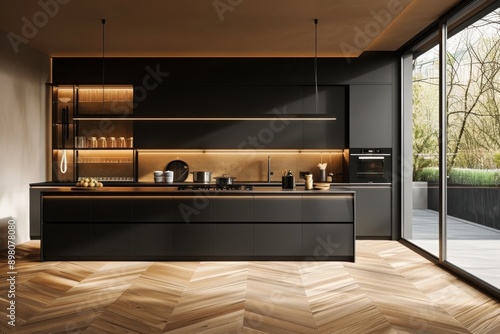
201	176
180	169
224	180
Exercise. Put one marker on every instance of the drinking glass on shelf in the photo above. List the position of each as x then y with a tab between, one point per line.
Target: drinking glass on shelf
102	142
121	142
112	142
93	142
130	142
81	142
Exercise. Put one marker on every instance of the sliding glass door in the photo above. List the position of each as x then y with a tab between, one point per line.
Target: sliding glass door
451	145
421	148
473	149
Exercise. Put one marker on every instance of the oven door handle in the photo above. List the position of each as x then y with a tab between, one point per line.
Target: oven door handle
371	158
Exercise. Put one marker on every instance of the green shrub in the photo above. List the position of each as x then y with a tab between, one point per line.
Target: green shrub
496	159
429	174
465	176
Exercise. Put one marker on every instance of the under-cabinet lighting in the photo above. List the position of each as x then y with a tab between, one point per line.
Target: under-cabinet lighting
106	87
242	151
205	118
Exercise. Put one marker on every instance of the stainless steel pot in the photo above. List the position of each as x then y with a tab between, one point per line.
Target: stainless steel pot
224	180
201	176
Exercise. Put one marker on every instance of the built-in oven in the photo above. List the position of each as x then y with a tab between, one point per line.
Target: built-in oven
370	165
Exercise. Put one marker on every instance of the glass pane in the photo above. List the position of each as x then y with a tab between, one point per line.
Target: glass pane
473	149
423	207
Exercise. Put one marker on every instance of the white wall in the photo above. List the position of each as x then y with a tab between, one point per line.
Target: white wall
23	108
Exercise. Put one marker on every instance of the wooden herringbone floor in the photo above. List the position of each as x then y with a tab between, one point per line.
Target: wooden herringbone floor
389	289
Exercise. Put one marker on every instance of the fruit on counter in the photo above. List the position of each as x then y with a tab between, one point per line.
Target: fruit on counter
89	182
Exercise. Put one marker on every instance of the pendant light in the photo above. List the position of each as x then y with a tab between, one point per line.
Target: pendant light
316	63
103	21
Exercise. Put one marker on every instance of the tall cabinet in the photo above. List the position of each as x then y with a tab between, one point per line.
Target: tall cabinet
92	134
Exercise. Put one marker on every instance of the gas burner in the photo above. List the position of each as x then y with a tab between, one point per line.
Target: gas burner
235	187
215	187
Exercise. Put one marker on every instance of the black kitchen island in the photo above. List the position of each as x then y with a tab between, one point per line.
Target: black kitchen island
151	222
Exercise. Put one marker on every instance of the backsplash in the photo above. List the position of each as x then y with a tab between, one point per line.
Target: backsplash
243	165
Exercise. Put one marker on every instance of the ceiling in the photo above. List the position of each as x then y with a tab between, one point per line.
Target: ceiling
216	28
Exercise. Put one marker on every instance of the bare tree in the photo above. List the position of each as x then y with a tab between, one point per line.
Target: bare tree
474	74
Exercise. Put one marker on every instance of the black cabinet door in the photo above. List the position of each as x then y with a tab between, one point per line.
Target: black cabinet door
66	240
192	239
154	209
373	212
332	100
112	240
232	209
327	209
112	209
232	239
280	239
66	209
371	112
218	134
277	208
324	241
153	239
191	209
218	101
323	134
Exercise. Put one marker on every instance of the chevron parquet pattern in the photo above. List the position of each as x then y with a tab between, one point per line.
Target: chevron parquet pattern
389	289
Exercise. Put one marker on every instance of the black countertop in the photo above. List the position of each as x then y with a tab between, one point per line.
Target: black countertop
172	190
256	184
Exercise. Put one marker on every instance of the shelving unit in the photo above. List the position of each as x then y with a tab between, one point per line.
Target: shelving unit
91	134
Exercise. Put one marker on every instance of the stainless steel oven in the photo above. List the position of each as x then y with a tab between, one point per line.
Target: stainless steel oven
370	165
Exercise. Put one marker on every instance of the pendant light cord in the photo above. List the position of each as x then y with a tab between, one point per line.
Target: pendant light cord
103	71
316	62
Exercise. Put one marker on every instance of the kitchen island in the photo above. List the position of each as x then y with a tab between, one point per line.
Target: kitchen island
151	222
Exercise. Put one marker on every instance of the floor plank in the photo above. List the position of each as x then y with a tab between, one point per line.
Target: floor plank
390	289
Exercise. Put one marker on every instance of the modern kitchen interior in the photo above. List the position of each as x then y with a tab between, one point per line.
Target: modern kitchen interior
213	153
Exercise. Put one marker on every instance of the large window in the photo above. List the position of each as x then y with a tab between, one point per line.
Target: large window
424	230
451	199
473	148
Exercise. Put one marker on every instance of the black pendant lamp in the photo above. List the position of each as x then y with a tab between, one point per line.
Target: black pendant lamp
316	63
103	21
